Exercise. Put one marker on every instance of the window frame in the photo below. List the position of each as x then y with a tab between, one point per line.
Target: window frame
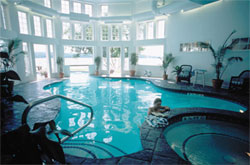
107	36
87	36
158	34
152	64
104	7
115	31
141	34
47	3
123	32
88	11
28	71
49	32
37	25
69	33
81	31
65	6
74	7
150	30
23	24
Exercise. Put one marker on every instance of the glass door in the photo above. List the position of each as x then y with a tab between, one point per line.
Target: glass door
115	61
41	61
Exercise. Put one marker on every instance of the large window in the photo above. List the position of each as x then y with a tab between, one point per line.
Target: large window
65	6
126	59
193	47
49	28
78	31
89	32
150	30
23	23
37	25
27	62
66	30
115	33
77	7
52	59
105	32
88	9
160	29
105	10
125	32
78	55
5	17
47	3
150	55
140	31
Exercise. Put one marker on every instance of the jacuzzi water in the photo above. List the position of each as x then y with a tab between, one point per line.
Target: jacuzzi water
209	142
120	107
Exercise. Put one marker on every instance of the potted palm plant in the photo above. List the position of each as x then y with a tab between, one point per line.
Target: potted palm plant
9	53
167	59
133	62
59	62
177	70
97	63
219	64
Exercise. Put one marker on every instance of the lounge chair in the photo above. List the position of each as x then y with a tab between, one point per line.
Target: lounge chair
240	83
186	73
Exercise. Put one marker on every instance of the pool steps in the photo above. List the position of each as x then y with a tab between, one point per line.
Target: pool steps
37	102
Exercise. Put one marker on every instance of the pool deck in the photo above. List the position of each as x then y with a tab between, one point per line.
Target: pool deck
156	150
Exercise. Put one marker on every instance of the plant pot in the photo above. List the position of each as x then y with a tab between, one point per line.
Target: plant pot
96	73
217	83
132	72
112	71
165	76
61	74
46	75
177	79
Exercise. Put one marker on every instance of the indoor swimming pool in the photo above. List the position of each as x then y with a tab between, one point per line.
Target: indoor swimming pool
120	107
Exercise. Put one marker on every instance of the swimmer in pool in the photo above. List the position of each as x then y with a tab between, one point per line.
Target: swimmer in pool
157	108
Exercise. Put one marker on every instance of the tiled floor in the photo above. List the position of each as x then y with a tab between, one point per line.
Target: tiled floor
156	150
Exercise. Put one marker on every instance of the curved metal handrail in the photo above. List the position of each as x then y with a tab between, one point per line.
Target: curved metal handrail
34	103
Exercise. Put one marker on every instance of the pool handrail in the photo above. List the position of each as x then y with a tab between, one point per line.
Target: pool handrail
37	102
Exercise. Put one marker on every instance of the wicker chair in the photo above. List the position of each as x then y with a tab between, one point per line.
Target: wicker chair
240	83
185	74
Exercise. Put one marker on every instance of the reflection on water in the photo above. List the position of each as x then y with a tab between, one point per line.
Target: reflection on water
119	108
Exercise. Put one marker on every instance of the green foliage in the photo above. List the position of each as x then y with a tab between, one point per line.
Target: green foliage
10	55
59	62
220	54
78	50
133	59
140	49
177	70
167	59
115	52
98	62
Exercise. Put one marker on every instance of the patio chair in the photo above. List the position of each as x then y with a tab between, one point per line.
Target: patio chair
186	73
240	83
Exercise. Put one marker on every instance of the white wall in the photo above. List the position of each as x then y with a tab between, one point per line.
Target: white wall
142	6
213	23
117	9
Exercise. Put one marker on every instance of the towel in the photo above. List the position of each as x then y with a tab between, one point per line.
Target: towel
155	121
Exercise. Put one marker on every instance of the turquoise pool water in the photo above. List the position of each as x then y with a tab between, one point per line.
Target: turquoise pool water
120	107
